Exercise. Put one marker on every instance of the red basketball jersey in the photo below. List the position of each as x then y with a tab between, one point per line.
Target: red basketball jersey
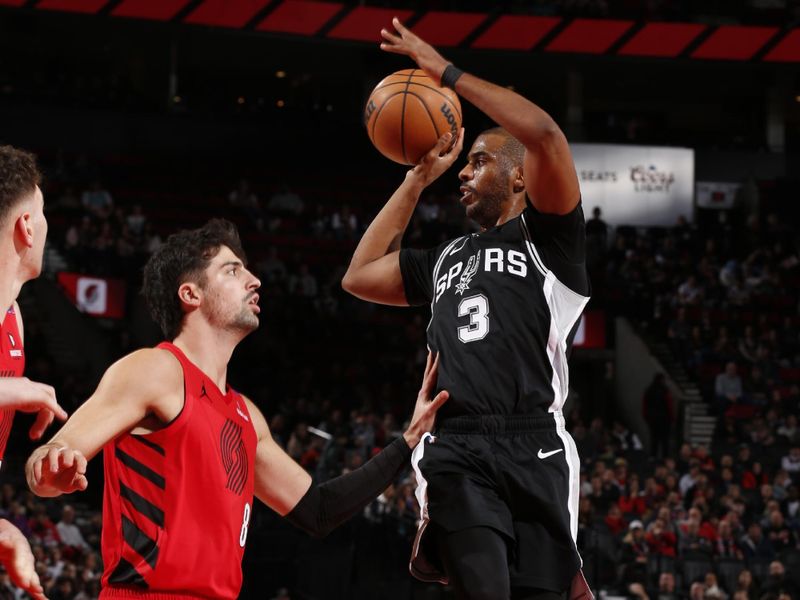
177	502
12	364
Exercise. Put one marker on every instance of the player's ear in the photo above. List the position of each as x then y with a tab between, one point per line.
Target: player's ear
519	181
189	294
23	229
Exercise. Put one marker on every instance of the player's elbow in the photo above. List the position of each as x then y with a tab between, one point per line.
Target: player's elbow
353	283
546	138
348	281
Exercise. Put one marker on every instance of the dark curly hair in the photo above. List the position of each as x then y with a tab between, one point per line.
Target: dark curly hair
19	176
184	257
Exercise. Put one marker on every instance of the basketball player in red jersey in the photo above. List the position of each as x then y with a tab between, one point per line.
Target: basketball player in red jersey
24	229
183	452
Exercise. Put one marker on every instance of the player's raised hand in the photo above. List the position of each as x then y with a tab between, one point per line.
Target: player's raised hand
20	393
439	159
404	41
53	470
17	558
426	407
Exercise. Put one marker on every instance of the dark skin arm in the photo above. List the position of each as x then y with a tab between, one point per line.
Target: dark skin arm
549	172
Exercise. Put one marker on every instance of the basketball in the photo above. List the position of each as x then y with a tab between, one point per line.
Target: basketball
407	113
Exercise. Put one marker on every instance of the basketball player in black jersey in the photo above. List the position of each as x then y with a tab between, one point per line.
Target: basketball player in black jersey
498	480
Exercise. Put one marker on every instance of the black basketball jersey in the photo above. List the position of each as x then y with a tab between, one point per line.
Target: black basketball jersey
504	307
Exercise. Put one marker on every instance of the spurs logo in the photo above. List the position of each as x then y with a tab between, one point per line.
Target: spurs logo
466	277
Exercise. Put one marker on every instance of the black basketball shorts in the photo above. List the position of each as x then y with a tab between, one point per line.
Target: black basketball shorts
516	474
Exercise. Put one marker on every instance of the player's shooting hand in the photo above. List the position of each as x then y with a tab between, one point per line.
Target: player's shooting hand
20	393
53	470
426	407
404	41
438	160
17	558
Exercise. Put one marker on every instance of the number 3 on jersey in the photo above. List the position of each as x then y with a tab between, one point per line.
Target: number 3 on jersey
477	309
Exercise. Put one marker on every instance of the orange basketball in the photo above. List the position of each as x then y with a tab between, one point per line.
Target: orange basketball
407	113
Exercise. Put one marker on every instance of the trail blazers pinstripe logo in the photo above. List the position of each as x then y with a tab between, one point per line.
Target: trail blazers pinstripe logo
466	277
234	456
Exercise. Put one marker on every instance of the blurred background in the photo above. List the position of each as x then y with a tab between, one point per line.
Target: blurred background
148	117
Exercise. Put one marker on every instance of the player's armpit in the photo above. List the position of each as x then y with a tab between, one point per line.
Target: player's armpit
148	381
378	281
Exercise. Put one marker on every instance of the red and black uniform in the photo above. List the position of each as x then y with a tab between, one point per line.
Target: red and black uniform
177	502
12	364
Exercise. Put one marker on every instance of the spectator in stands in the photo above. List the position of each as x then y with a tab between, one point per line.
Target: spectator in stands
42	528
781	537
98	201
697	591
64	589
690	479
748	344
271	268
68	531
792	504
136	221
661	541
626	440
791	463
631	502
755	545
303	283
690	293
667	590
344	223
691	540
725	545
285	202
657	411
790	431
713	589
777	584
633	557
728	387
745	583
246	200
615	521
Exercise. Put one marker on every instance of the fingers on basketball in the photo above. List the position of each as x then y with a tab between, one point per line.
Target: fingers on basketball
407	114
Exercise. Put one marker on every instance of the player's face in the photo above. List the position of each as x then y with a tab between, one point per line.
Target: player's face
230	300
485	184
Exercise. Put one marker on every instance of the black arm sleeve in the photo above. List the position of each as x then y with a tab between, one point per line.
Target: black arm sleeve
326	506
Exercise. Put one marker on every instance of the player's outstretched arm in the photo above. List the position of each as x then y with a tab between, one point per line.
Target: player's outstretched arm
317	509
550	178
147	382
17	558
374	271
22	394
